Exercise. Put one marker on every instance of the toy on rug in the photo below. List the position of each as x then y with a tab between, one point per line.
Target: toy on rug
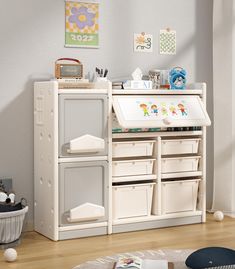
218	215
211	257
10	255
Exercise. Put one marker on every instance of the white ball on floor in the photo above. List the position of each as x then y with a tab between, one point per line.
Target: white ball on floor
10	255
218	215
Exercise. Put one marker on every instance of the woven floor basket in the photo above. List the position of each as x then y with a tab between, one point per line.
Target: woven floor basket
11	224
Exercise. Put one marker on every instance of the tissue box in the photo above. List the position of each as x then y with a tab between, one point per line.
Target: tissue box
138	84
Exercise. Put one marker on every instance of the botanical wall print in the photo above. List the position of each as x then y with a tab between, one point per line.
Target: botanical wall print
167	41
81	23
143	42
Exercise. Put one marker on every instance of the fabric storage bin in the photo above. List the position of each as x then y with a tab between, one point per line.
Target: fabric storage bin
132	167
132	148
11	224
177	196
180	164
180	146
132	200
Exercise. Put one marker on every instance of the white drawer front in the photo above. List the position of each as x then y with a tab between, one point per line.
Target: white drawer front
132	201
132	148
180	146
172	165
132	167
176	196
179	196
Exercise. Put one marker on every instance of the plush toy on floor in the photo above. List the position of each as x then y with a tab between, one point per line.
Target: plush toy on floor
10	255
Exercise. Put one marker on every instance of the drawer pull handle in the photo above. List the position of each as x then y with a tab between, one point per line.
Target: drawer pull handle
85	144
167	121
86	212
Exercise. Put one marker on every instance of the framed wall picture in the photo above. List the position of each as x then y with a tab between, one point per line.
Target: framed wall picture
143	42
82	23
167	42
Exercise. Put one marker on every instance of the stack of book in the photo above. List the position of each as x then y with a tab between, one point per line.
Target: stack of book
117	85
135	262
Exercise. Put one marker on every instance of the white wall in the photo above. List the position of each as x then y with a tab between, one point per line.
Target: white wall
32	37
224	106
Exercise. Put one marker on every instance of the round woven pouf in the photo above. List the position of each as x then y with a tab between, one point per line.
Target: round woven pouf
178	257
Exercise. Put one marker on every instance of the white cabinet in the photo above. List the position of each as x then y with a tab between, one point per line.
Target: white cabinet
71	160
178	151
92	181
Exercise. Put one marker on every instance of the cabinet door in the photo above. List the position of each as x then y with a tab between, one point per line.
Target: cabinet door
140	111
81	184
81	115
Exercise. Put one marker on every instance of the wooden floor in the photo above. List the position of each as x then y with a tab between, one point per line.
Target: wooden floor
38	252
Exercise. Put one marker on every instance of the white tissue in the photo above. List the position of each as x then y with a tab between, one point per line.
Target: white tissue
137	74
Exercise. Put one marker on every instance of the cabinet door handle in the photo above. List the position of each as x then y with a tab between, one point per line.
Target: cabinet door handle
86	143
86	211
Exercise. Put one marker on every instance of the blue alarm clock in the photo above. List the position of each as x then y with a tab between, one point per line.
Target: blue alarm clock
177	77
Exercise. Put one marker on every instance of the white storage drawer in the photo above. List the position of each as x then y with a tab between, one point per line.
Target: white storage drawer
177	196
180	146
132	167
132	148
180	164
132	200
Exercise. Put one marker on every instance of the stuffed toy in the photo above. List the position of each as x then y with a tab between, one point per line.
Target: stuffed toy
7	198
7	202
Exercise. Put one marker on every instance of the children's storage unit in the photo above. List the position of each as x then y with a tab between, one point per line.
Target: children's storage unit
71	160
109	161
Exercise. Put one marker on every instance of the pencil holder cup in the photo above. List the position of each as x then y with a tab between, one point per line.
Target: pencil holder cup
98	79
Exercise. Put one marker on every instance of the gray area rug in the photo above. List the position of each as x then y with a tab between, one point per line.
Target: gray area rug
178	257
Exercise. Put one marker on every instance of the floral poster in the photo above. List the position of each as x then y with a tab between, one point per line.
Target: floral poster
82	27
143	42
